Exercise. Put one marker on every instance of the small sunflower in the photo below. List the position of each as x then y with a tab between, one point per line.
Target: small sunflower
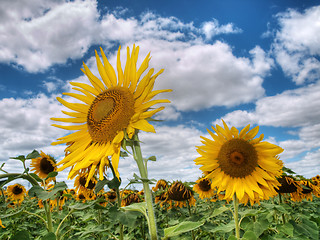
16	193
111	196
239	164
43	165
112	110
203	188
82	180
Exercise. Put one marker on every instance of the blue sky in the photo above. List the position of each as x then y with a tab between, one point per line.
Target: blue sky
247	62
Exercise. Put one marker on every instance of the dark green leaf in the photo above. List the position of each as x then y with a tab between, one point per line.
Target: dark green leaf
21	158
286	228
51	175
49	236
21	235
218	211
100	185
34	154
249	235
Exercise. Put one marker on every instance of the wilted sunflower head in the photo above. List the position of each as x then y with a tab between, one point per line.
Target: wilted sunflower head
288	185
111	196
161	185
179	192
112	109
16	192
43	165
240	164
129	199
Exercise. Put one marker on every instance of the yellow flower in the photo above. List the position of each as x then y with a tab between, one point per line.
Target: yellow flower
112	110
203	188
16	192
43	165
80	183
161	185
240	164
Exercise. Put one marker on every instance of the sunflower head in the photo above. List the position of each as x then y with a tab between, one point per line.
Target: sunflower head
115	107
203	188
179	192
132	197
83	184
16	193
240	164
43	165
161	185
111	196
288	185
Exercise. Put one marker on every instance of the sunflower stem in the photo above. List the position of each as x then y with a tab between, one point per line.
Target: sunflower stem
235	215
147	192
190	214
282	215
119	198
48	214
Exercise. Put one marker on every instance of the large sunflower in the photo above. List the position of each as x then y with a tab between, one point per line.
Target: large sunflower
240	164
16	192
43	165
112	109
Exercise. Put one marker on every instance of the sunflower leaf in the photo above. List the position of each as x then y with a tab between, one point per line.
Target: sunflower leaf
49	236
181	228
34	154
20	157
36	177
100	185
51	175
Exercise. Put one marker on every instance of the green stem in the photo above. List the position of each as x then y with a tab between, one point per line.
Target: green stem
147	192
19	175
119	205
48	214
235	215
189	209
282	215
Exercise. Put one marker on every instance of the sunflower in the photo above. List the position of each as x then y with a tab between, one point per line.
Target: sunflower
111	196
43	165
203	188
240	164
181	194
112	110
161	185
131	198
16	193
81	180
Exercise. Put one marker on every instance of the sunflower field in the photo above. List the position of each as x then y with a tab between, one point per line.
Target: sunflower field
244	192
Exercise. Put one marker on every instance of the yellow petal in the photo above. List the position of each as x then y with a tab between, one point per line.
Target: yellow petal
143	125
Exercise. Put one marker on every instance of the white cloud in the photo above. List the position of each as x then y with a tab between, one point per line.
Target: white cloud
213	28
297	44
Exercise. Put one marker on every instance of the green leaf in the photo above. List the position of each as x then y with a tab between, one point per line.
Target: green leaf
249	235
232	237
44	195
11	214
34	154
139	207
100	185
82	206
114	183
152	158
21	235
20	157
181	228
218	211
51	175
36	177
224	227
49	236
286	228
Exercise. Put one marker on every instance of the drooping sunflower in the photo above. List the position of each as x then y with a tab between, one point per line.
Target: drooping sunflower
112	109
16	193
181	194
132	197
240	164
161	185
203	188
43	165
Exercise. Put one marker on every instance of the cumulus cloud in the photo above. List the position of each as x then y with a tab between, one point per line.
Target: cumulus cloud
213	28
297	44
